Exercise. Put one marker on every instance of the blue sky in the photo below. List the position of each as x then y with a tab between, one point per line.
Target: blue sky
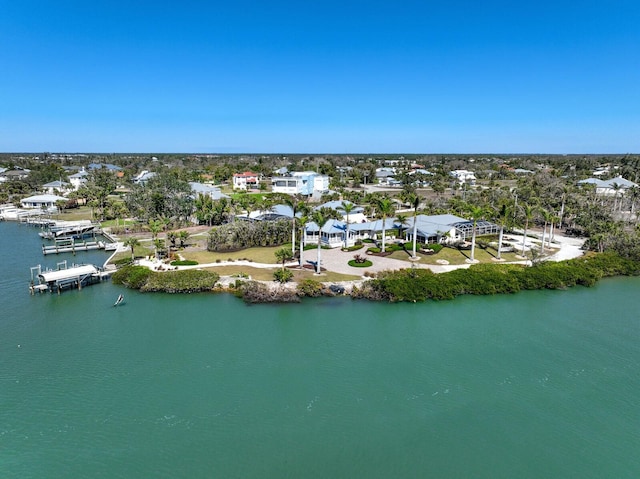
311	77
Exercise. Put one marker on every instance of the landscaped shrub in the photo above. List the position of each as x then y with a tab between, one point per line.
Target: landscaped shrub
184	262
373	249
435	247
283	275
359	261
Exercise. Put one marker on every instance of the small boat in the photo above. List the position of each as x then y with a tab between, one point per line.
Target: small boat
119	300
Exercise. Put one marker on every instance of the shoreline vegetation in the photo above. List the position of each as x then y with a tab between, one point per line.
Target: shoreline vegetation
404	285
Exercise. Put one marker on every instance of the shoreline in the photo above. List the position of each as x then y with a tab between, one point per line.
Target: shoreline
335	261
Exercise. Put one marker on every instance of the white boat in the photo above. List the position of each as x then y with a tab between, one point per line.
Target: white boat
119	300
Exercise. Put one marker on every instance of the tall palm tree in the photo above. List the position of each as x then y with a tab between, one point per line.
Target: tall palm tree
503	215
476	213
414	199
305	217
546	215
385	210
320	217
132	242
155	227
348	208
295	203
527	211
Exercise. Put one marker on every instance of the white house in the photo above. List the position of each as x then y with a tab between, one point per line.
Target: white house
246	181
56	186
304	183
45	202
464	176
78	179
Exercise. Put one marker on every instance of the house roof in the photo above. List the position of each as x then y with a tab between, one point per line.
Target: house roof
620	181
43	199
55	184
212	191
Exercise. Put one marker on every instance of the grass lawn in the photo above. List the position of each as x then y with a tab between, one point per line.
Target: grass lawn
257	255
455	256
262	274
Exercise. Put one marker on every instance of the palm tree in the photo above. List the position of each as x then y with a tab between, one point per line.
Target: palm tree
385	209
320	217
183	235
527	211
476	212
132	242
347	207
305	217
295	203
155	227
546	215
503	216
414	199
283	255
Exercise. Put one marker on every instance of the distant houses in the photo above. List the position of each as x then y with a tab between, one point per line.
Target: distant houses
614	186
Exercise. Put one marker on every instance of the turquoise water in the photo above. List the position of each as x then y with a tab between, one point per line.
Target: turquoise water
534	385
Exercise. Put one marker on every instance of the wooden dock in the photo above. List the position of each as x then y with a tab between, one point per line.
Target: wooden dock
71	246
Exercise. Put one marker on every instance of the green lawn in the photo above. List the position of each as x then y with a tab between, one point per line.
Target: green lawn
257	255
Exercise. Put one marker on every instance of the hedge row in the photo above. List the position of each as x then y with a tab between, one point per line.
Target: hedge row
422	284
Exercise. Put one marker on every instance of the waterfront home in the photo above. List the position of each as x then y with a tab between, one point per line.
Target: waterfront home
445	228
44	202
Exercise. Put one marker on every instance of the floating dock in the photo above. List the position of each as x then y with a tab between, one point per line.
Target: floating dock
75	276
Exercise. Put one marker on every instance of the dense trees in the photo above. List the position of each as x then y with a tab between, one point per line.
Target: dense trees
166	195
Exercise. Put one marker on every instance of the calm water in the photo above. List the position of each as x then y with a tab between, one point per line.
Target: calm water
535	385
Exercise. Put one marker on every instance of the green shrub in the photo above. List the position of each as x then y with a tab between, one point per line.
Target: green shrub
133	277
420	284
310	288
373	249
184	262
359	264
282	275
186	281
435	247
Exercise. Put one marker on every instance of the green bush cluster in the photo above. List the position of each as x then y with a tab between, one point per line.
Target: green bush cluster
435	247
283	275
189	281
310	288
184	262
359	264
421	284
133	277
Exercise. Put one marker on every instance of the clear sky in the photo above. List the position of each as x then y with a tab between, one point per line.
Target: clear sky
320	76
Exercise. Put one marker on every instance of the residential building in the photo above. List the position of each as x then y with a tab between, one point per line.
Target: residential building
246	181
